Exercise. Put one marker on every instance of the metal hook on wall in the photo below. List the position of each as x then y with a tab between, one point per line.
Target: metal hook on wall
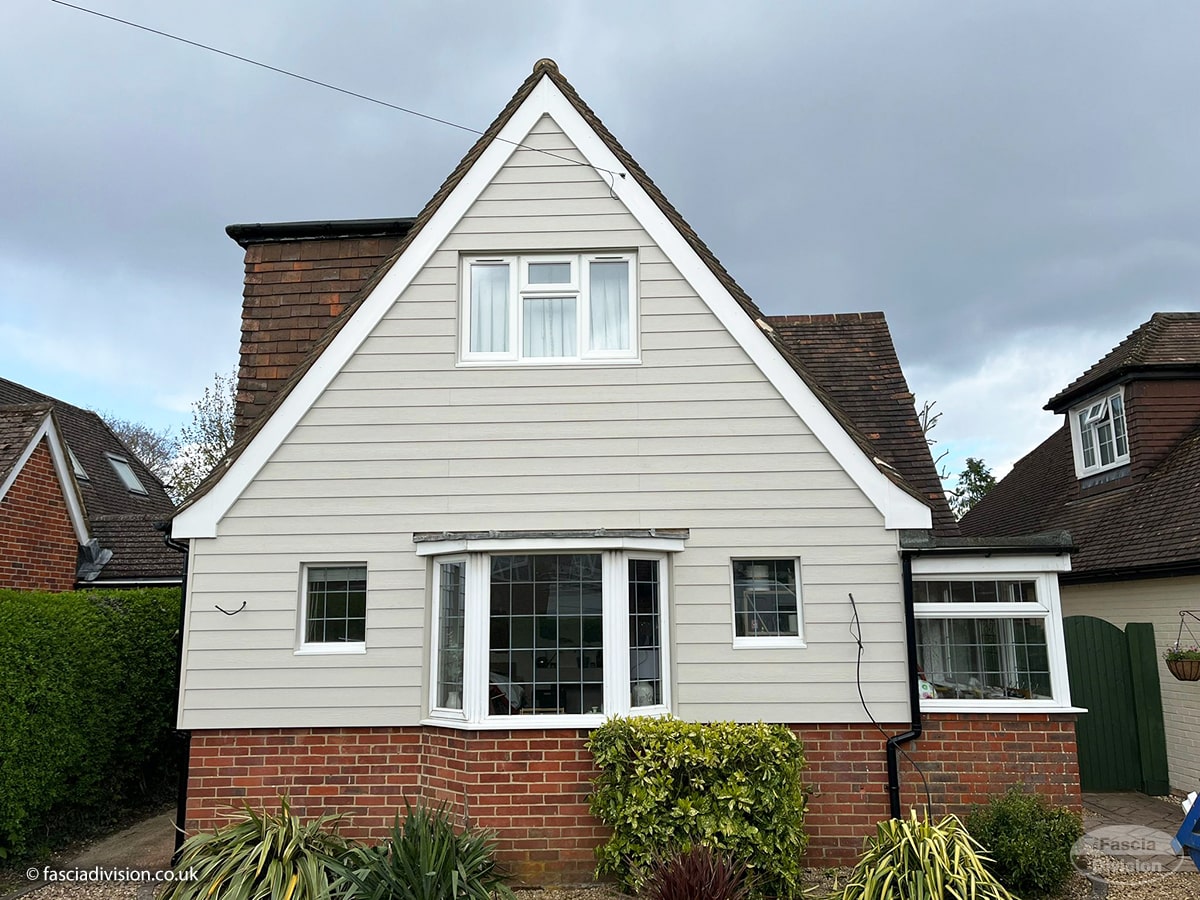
235	612
1183	624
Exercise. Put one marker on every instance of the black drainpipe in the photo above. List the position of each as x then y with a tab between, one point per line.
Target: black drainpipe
914	691
183	738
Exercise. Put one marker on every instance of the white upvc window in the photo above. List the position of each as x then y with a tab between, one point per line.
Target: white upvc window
561	637
1098	433
989	635
767	609
333	608
125	472
549	309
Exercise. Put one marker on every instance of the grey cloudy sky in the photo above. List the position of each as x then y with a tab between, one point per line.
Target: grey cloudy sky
1016	184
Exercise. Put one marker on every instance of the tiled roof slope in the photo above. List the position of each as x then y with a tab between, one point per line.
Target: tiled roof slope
18	424
299	278
547	68
853	357
103	493
1152	523
1168	340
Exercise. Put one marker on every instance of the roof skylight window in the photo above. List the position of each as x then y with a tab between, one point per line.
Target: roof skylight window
126	474
77	466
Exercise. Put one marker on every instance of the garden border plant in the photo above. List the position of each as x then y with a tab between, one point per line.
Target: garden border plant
667	785
1029	841
87	709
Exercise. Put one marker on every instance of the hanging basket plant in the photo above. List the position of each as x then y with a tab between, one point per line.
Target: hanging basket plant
1184	663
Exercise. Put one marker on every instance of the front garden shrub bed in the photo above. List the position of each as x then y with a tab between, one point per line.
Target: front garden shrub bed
666	785
87	709
1029	841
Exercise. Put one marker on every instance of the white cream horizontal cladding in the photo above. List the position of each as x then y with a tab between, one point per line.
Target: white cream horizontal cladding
1157	601
404	440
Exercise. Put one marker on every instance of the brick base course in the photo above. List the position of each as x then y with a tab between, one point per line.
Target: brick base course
532	787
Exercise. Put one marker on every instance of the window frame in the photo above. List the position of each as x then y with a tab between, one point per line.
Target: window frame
767	642
520	289
617	682
1098	409
124	471
304	647
1043	571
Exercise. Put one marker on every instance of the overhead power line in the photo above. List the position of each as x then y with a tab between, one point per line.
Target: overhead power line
318	83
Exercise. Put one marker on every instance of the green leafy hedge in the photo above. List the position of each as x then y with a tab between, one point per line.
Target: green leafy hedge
1028	840
668	785
87	699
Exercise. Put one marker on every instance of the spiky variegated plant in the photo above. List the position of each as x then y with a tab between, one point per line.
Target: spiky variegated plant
915	859
261	856
426	858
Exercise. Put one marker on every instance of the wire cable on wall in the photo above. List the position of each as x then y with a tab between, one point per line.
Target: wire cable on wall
325	84
856	633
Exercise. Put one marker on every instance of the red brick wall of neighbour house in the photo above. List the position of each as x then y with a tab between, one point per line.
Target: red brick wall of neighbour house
1160	414
293	291
532	787
38	545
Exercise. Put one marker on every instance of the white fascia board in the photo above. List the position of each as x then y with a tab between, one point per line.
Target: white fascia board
529	545
1000	564
62	468
899	509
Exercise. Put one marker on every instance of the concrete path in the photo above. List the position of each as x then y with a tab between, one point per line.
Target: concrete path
146	845
1131	809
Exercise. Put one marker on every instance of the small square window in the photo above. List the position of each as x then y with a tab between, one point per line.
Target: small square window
766	602
127	475
335	607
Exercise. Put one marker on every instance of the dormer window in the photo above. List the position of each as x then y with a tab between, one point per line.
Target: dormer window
1098	433
127	475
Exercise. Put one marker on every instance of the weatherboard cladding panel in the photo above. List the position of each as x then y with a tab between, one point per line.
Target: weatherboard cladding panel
1158	601
404	441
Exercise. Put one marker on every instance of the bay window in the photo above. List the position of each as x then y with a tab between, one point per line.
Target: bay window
574	634
549	308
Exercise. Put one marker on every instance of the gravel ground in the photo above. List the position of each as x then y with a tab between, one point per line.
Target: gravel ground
1181	885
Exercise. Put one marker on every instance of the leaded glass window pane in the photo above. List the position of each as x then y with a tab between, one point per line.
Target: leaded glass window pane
452	597
645	634
765	600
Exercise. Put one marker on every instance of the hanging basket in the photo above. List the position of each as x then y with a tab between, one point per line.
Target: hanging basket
1185	669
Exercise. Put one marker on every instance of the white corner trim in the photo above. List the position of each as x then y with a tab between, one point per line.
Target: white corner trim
62	468
899	508
529	545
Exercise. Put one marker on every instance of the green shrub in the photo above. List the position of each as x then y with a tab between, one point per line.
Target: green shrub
87	698
915	859
1029	841
426	859
275	856
666	785
697	874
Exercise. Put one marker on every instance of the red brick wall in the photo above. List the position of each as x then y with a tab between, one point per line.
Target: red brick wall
532	787
38	546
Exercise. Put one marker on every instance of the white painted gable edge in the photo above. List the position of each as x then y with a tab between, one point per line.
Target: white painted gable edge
62	468
899	508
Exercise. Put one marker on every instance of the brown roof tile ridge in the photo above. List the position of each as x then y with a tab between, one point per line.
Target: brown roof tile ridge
548	68
817	318
1134	350
46	406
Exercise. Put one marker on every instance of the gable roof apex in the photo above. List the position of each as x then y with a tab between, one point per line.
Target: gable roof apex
1166	341
897	499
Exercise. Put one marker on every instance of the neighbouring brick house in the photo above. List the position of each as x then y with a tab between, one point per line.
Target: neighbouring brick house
1119	475
534	458
76	506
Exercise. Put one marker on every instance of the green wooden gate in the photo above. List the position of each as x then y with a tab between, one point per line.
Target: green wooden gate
1114	675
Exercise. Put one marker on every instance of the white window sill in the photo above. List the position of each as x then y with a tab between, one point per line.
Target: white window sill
768	643
330	649
548	361
997	706
540	723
